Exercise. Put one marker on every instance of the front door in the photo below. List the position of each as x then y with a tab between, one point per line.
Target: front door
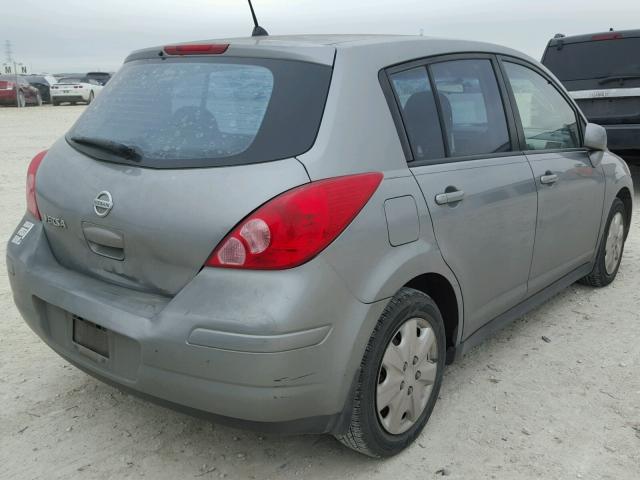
570	189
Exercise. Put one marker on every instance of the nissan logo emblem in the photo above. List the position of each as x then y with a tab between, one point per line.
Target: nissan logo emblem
103	204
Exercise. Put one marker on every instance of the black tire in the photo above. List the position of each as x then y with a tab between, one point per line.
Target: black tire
599	277
22	101
54	103
365	433
91	96
38	100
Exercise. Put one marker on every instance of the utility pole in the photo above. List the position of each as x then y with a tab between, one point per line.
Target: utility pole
8	51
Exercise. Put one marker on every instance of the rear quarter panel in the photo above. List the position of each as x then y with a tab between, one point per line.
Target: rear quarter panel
363	257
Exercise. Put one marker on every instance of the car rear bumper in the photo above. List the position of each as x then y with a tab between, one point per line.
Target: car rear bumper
277	351
69	98
7	97
623	137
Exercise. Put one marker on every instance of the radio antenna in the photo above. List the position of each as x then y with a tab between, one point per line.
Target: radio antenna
258	31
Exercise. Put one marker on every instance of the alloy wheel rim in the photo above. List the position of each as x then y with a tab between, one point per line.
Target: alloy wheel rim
406	375
615	240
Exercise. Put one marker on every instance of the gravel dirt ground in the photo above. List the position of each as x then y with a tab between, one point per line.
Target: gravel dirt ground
517	407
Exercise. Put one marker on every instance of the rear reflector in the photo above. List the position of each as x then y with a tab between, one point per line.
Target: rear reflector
32	205
201	49
295	226
607	36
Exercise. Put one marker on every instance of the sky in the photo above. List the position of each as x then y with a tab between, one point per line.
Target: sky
81	35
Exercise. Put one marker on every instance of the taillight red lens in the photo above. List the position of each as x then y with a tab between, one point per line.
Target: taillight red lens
32	205
201	49
607	36
295	226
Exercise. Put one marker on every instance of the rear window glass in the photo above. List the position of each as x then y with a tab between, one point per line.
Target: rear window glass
207	112
72	80
594	60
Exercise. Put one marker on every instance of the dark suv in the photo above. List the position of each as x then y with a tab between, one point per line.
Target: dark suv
602	73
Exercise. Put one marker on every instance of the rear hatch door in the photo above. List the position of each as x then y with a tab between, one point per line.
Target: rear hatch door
170	157
162	223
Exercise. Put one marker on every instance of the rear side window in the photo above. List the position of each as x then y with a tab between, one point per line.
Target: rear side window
419	113
472	110
547	118
207	112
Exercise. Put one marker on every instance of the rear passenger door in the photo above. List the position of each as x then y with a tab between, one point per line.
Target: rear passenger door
570	189
480	192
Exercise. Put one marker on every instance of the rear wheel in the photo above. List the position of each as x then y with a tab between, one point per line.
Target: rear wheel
54	103
21	100
400	377
611	248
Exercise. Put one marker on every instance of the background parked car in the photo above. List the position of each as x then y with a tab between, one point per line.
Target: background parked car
74	90
16	90
602	73
101	77
43	84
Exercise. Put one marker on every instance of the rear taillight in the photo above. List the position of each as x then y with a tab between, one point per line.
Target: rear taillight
295	226
199	49
32	205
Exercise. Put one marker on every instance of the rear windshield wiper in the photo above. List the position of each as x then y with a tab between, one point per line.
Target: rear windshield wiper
122	150
620	78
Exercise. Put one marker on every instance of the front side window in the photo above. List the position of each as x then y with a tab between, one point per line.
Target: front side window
547	119
471	107
419	113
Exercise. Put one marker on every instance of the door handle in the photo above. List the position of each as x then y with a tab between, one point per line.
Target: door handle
548	178
449	197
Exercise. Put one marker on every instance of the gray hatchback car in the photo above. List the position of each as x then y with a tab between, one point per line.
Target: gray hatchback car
296	234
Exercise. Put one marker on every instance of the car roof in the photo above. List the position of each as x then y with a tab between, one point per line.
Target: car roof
588	37
381	49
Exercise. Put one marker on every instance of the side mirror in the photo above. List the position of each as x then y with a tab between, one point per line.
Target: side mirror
595	137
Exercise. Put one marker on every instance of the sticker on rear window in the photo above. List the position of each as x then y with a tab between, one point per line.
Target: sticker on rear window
22	232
